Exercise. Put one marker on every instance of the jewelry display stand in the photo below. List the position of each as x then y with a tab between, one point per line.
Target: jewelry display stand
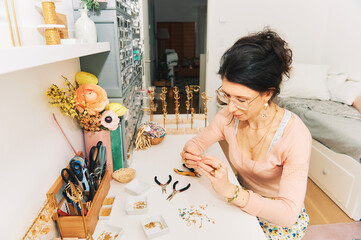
177	130
192	130
205	98
152	107
164	121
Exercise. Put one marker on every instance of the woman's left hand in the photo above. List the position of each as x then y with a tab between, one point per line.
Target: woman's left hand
217	173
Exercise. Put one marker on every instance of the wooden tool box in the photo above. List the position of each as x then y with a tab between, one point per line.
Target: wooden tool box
72	226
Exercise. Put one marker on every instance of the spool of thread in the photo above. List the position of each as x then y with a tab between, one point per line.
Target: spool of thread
52	36
49	12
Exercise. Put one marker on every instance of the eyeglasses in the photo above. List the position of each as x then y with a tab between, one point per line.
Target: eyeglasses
240	103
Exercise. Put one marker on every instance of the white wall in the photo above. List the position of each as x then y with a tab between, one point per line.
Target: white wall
323	31
33	150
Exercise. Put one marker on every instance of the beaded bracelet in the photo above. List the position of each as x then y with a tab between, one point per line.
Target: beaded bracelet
234	196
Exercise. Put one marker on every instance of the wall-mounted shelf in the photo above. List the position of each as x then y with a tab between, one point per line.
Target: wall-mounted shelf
20	58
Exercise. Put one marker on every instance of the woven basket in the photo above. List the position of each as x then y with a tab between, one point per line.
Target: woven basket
124	175
156	141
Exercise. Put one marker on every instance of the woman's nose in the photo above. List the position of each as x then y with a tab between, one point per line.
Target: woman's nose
231	107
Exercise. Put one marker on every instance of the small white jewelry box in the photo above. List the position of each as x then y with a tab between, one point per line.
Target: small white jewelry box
154	226
136	187
109	200
105	212
110	232
136	205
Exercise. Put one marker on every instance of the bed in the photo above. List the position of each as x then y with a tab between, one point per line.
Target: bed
335	164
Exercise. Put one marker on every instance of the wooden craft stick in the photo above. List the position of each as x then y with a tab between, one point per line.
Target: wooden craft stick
64	134
16	23
11	30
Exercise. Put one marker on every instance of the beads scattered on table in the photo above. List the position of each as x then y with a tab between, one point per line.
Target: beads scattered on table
195	216
108	236
139	205
153	225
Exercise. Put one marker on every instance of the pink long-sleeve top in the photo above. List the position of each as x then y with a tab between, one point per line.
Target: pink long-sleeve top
276	184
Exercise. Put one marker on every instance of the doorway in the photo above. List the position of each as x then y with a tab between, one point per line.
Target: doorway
177	45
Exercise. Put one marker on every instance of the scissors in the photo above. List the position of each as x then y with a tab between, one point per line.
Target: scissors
102	158
93	159
80	173
164	190
191	172
175	191
71	178
97	163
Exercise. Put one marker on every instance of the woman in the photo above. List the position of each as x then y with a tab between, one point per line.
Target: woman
269	147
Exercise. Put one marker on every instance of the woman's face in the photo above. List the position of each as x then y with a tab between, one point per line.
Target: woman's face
238	92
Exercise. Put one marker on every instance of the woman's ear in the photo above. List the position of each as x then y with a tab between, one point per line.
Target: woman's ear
268	94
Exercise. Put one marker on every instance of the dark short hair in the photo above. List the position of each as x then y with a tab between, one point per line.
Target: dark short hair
257	61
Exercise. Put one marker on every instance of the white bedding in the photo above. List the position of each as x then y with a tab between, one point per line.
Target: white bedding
327	123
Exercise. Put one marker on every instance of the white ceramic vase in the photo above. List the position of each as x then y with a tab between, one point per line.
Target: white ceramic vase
85	28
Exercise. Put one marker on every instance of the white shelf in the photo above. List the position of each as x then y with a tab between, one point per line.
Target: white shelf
19	58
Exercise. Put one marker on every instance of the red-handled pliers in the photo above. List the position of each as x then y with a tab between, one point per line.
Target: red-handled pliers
177	191
164	190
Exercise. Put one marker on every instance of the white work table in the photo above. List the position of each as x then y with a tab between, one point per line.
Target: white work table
160	160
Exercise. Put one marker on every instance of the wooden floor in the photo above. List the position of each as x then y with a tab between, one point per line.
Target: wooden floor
319	207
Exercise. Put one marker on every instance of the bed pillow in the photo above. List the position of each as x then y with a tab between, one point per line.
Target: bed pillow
306	81
343	90
357	103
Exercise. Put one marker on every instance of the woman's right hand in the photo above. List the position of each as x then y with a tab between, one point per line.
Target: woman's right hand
190	155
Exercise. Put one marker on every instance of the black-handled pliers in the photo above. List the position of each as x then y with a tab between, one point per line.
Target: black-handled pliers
177	191
164	190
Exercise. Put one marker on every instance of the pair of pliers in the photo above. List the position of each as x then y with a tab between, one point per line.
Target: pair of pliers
175	191
191	172
164	190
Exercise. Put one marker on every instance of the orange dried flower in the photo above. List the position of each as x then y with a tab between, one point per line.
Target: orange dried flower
92	98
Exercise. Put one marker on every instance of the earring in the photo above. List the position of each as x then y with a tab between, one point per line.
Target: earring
265	115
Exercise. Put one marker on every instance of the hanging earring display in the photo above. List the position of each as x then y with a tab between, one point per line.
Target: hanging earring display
205	100
197	89
188	103
177	130
192	130
152	107
163	97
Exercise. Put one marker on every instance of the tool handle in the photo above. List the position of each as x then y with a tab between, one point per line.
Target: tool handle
170	179
185	188
77	169
156	180
190	169
184	173
174	184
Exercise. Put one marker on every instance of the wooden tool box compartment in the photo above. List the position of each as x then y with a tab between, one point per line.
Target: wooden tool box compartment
72	226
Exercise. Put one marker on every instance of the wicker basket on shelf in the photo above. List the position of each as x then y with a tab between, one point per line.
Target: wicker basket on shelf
155	141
